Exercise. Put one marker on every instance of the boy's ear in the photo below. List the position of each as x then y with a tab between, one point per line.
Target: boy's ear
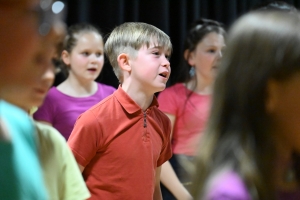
65	56
188	56
123	62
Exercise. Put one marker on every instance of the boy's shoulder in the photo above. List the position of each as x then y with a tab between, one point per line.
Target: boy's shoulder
110	106
104	103
95	115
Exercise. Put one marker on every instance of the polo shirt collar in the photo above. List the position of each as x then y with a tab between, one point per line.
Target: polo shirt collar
128	104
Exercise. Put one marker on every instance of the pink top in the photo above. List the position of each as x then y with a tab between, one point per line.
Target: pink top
62	110
191	116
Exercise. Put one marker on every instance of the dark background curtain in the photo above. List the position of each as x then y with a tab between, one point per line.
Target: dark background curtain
171	16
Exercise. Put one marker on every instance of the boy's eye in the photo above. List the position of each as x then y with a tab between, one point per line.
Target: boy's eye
156	53
85	53
211	51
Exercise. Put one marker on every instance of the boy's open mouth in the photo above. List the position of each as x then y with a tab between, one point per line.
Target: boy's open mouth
164	74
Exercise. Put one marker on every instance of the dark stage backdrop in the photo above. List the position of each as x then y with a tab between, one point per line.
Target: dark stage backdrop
171	16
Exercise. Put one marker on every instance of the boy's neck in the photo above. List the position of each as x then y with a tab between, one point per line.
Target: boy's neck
141	98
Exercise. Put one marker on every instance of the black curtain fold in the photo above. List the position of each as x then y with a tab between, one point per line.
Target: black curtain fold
171	16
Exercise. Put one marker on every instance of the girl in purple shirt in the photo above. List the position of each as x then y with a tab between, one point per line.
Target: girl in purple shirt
251	146
83	59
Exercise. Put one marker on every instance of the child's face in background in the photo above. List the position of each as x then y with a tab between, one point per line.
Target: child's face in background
284	109
86	58
25	55
150	69
206	55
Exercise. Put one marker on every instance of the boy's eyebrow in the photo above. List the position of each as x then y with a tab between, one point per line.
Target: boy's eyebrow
159	47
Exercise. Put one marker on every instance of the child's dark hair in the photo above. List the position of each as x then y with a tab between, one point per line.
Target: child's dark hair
71	38
198	30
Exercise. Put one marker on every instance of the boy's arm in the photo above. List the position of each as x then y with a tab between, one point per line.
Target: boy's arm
171	181
157	192
81	140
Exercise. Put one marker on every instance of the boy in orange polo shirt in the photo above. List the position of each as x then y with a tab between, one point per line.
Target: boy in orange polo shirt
121	142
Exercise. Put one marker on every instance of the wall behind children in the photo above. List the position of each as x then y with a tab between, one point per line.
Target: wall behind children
171	16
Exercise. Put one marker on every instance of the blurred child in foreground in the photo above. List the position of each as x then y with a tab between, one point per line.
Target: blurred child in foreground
27	46
251	145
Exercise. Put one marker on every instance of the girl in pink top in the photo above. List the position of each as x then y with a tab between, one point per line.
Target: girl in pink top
187	103
83	58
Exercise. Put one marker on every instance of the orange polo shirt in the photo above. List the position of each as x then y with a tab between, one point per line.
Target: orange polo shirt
120	147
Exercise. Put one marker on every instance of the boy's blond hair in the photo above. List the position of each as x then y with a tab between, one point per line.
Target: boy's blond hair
129	37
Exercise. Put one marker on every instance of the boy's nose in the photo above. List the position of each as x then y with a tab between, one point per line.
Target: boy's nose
166	62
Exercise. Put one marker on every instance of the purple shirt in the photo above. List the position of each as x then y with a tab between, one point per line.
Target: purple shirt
228	185
62	110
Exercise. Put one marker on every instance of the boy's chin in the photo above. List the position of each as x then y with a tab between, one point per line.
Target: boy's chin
161	88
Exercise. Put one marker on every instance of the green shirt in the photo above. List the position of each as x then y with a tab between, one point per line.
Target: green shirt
20	171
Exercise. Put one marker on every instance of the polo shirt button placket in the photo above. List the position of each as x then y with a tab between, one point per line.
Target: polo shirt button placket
146	136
